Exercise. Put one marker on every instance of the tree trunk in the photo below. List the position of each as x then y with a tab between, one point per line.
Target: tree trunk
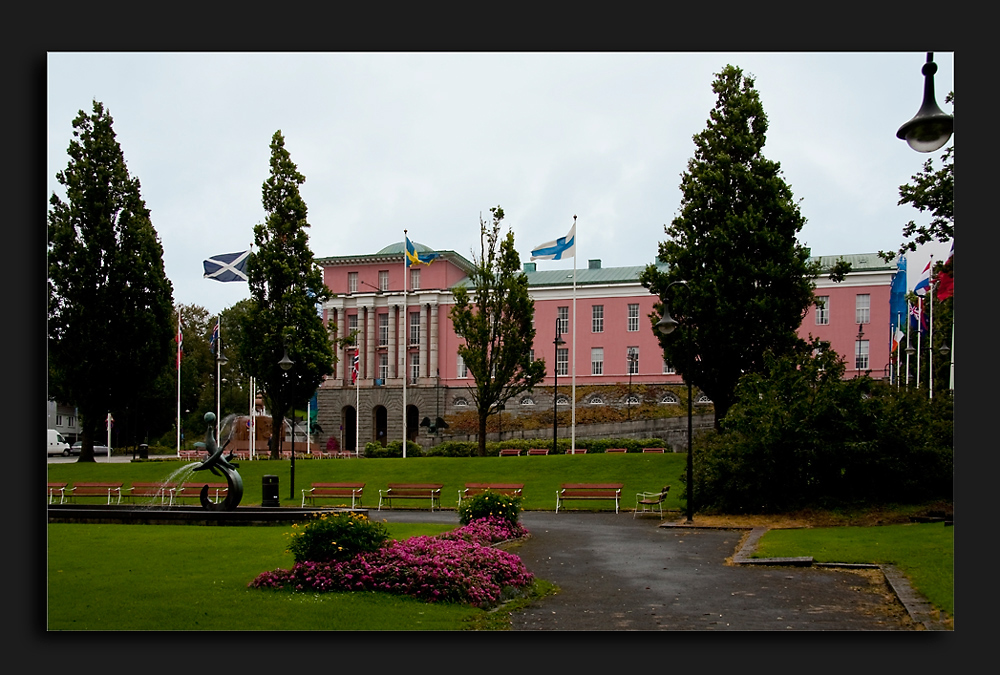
482	433
277	433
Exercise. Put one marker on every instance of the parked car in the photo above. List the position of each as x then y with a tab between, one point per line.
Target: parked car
57	444
98	449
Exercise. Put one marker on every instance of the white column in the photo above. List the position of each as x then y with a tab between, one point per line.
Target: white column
424	342
433	342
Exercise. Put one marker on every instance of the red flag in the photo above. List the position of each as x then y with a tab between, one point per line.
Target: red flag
356	366
946	280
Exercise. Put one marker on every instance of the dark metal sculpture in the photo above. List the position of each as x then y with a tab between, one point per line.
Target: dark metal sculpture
220	466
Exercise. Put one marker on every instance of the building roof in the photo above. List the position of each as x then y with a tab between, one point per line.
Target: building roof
860	262
586	276
394	252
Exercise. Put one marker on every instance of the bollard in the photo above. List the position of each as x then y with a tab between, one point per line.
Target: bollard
269	490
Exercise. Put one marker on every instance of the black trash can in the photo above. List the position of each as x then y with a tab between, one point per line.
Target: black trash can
269	489
143	451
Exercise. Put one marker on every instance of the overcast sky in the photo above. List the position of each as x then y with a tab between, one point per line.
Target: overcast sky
429	141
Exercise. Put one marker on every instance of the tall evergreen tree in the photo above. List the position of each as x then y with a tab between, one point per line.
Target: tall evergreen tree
734	242
110	302
496	325
286	285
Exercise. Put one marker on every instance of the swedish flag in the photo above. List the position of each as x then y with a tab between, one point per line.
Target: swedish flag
413	257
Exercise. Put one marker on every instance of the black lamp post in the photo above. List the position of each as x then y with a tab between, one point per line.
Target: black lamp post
286	365
555	389
857	358
632	359
666	325
930	128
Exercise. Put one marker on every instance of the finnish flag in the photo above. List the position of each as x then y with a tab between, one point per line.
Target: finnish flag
227	266
563	247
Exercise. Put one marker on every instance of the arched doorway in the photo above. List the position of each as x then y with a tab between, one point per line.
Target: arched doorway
381	426
349	428
412	422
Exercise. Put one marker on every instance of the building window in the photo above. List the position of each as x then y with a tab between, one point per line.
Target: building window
383	366
597	360
862	308
352	329
414	279
633	318
352	282
460	403
632	358
414	328
562	362
597	319
462	370
703	400
596	400
668	369
562	400
861	355
669	398
383	280
531	355
414	366
631	400
823	310
383	330
563	316
527	400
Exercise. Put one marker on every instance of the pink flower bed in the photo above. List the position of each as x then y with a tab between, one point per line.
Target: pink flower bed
457	566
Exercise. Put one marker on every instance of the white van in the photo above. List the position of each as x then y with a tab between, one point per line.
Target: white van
57	444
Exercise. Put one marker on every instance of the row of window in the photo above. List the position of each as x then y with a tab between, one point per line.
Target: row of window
383	281
862	309
596	362
597	318
669	398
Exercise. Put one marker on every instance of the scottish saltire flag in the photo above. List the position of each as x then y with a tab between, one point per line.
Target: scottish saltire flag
563	247
414	257
925	281
215	336
227	266
356	366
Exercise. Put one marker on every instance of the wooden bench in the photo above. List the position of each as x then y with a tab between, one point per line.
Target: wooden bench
648	500
510	452
616	450
108	490
473	489
149	491
56	490
431	491
653	450
192	455
578	451
216	492
538	451
334	491
589	491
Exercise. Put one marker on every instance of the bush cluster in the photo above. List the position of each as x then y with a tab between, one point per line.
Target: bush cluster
802	436
392	449
490	504
336	536
592	445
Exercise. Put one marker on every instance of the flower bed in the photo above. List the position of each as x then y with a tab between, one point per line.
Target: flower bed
457	566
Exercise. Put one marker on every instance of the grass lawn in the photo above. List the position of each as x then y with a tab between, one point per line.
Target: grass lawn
180	577
924	552
541	476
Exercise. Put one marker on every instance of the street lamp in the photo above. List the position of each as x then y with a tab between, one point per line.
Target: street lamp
220	360
930	128
555	389
633	358
666	325
286	365
857	358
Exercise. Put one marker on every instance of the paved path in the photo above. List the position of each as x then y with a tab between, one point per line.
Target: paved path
620	573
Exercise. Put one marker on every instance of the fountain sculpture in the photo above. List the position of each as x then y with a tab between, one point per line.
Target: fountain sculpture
220	466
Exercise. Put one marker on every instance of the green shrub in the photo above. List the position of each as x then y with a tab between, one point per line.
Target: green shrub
490	503
392	449
452	449
336	536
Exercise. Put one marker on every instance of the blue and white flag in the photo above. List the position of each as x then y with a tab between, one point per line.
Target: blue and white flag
563	247
227	266
215	336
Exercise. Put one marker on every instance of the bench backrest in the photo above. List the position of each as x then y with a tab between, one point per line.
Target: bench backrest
656	450
338	486
97	485
592	486
578	451
510	452
416	486
538	451
496	487
616	450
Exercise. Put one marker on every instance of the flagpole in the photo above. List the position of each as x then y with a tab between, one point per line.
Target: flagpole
357	416
920	324
251	426
179	342
406	327
218	384
909	323
930	340
573	422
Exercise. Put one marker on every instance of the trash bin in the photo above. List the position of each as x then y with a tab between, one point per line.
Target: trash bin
269	490
143	451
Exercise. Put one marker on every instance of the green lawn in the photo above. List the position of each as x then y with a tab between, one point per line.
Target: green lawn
541	475
179	577
924	552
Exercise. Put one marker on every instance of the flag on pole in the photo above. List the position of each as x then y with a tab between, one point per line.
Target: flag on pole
227	266
215	336
897	337
356	366
897	291
414	257
563	247
946	280
925	281
180	342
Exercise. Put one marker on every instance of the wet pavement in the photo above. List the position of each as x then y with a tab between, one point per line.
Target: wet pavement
619	573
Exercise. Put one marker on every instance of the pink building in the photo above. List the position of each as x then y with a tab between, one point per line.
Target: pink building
611	341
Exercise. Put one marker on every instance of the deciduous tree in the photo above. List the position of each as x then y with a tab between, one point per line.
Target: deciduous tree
495	322
734	241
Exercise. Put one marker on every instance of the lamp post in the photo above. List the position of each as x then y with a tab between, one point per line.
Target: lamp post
930	128
220	360
857	357
555	389
286	365
632	359
666	325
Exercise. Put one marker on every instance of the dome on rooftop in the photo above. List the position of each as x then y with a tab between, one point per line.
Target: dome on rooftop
400	246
